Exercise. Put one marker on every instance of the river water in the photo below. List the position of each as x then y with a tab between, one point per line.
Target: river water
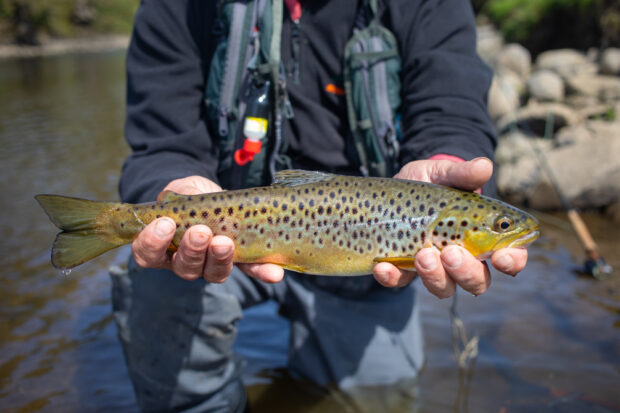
549	339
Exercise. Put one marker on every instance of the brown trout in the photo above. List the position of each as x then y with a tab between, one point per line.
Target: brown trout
309	222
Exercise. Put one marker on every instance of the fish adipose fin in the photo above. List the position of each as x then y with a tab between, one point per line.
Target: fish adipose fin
82	238
406	263
294	177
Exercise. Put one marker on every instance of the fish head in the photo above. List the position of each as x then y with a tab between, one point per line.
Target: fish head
483	225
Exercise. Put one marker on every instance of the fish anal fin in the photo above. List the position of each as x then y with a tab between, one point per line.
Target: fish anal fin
406	263
294	177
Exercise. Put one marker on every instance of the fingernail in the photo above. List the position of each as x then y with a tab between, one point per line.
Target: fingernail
452	258
220	251
505	262
428	262
197	238
164	227
480	158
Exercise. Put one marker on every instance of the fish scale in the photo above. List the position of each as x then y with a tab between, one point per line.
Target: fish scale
326	224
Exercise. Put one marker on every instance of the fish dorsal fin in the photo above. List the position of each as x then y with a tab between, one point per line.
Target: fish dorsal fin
168	196
406	263
294	177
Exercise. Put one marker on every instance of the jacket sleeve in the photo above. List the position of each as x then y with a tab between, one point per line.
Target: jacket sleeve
165	126
444	82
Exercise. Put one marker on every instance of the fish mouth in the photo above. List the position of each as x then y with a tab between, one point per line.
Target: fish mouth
524	240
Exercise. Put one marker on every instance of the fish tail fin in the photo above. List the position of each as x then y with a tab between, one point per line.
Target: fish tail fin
82	237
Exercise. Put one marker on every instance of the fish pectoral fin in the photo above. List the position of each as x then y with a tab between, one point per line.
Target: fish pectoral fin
406	263
167	196
294	177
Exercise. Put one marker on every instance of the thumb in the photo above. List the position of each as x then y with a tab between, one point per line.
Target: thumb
192	185
470	175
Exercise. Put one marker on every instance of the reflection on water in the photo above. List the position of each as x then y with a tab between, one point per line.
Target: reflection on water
549	339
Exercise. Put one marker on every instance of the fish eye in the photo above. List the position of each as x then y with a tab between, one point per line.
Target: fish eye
503	224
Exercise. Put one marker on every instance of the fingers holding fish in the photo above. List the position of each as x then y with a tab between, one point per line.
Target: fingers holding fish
188	261
389	275
219	259
468	272
510	261
269	273
433	274
149	247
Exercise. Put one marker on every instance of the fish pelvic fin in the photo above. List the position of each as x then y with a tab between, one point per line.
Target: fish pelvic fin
405	263
83	236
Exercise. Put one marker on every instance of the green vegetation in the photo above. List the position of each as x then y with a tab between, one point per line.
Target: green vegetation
548	24
29	21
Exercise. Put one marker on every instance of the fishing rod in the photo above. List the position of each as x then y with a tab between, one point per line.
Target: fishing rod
595	264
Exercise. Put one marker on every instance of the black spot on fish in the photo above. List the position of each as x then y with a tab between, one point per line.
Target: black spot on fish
216	211
192	213
256	200
205	214
463	223
230	211
442	204
263	210
275	204
247	214
450	223
422	207
431	211
284	207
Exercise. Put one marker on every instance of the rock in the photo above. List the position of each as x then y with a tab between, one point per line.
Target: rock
533	118
608	112
566	62
606	88
588	174
490	42
570	135
503	96
613	211
546	85
516	58
610	61
580	102
516	145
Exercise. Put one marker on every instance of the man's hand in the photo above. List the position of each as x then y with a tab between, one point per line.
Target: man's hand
441	272
200	254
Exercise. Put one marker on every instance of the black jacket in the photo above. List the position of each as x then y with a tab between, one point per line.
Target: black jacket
444	86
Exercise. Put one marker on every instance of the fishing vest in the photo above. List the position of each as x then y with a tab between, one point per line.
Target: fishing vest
247	59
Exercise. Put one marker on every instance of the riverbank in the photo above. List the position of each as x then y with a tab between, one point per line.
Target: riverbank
51	47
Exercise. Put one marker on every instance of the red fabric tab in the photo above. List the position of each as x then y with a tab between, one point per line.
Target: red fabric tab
445	157
294	9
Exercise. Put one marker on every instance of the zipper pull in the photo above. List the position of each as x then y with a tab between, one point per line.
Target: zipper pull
223	122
